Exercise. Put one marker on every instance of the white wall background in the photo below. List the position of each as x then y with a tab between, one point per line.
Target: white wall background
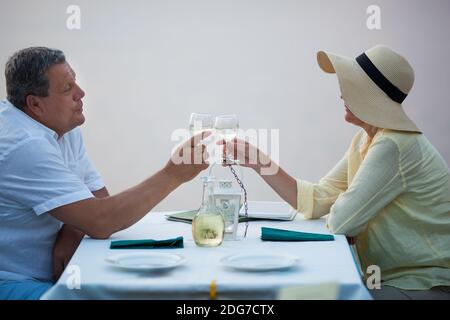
147	64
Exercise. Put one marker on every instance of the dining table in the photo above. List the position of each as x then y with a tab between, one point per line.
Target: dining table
306	269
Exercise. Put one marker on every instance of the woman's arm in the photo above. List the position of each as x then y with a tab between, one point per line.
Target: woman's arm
377	183
312	199
251	157
282	183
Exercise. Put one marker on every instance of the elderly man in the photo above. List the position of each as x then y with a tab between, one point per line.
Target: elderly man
50	193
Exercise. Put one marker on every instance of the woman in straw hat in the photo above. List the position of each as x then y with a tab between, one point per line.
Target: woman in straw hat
391	190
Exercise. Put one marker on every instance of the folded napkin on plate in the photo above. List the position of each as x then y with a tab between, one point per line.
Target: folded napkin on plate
148	244
271	234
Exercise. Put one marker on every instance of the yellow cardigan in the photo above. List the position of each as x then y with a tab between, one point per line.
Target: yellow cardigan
391	193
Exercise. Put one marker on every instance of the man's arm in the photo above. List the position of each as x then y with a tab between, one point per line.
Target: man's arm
99	218
67	242
102	193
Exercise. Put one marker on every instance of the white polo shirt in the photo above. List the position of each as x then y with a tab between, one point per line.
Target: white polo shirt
38	173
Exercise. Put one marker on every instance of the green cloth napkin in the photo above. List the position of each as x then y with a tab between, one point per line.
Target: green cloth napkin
148	244
271	234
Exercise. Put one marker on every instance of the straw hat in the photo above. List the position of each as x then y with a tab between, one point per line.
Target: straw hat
374	85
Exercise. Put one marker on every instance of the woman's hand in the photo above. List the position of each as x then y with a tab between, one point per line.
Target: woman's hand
247	154
250	156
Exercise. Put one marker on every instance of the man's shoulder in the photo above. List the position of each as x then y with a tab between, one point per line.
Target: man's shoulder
14	127
14	137
16	131
11	137
10	144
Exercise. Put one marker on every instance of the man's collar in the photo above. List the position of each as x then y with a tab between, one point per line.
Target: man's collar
30	120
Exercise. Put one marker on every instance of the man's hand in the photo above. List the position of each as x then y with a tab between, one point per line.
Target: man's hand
189	159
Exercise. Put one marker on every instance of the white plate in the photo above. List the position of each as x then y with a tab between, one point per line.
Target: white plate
150	261
259	261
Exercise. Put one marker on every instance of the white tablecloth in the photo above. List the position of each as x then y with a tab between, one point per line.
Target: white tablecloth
320	262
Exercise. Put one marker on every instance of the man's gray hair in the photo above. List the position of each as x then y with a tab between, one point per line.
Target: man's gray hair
25	73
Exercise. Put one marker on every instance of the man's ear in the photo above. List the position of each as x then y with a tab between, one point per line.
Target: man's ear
34	106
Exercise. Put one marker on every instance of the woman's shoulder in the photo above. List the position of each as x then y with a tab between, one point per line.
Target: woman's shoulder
411	145
401	138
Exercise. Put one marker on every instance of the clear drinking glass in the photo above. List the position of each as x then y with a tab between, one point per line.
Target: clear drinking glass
227	127
200	122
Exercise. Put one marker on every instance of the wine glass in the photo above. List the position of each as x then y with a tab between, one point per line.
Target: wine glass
226	127
200	122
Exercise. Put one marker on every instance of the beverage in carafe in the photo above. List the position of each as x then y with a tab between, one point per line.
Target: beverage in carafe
208	225
208	229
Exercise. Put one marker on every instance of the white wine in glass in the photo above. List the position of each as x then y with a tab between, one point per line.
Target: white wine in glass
227	127
200	122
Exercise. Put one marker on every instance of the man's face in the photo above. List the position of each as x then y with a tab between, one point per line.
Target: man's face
62	109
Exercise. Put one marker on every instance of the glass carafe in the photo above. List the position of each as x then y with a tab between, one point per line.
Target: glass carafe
208	225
